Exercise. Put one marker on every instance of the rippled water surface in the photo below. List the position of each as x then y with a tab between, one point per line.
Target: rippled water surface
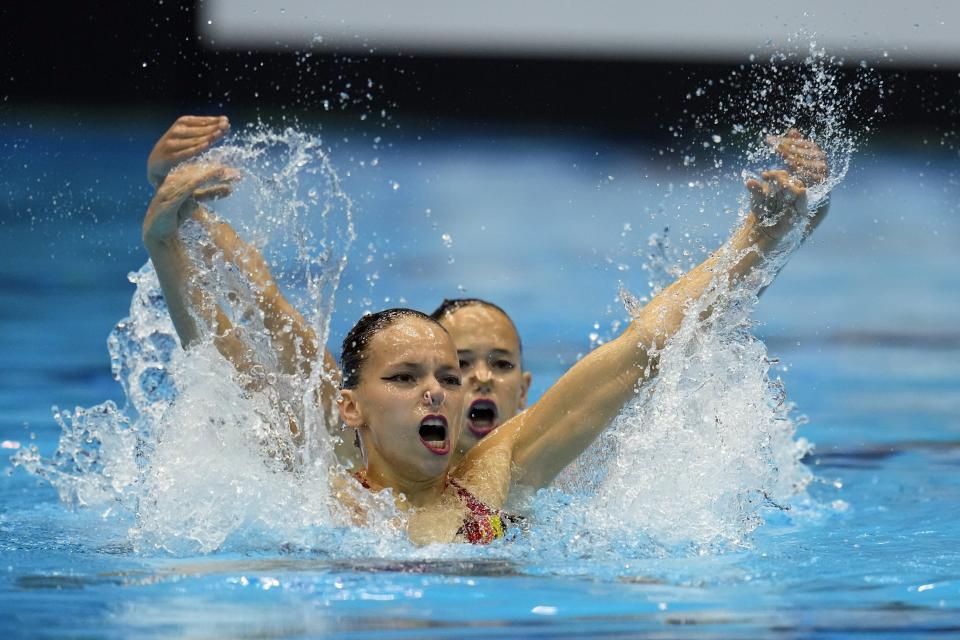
863	321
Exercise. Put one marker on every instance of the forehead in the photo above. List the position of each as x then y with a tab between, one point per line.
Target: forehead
478	323
410	339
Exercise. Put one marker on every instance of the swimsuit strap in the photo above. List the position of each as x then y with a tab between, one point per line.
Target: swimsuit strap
483	525
474	505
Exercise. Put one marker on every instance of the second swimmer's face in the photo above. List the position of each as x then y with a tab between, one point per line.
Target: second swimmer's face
494	383
408	404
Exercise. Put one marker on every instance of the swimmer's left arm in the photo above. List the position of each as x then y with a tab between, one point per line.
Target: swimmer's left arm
551	434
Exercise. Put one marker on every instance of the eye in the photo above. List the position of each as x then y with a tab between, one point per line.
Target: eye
464	364
503	365
401	378
450	381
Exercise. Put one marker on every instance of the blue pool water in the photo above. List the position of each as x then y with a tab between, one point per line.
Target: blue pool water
864	321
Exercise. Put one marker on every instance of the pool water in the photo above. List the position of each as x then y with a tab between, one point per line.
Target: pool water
864	321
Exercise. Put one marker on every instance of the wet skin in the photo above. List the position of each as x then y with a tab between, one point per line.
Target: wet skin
494	383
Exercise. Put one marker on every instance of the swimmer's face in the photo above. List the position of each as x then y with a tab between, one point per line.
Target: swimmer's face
408	405
494	384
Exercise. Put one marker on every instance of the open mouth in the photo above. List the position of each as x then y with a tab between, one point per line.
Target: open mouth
433	435
482	417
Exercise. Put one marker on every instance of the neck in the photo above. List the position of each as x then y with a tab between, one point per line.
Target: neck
418	491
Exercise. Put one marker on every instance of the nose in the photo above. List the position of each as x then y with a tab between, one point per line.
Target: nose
433	397
483	375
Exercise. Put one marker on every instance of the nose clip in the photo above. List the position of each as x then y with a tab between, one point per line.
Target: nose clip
431	399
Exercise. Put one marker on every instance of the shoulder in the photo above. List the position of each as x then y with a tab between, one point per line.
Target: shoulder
486	472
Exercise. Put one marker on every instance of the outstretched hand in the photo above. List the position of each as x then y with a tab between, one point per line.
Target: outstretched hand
186	138
778	200
177	197
805	159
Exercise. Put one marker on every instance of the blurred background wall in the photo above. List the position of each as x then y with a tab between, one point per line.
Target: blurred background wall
455	119
610	64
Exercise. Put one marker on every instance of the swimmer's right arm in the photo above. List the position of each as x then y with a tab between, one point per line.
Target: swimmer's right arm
292	337
174	202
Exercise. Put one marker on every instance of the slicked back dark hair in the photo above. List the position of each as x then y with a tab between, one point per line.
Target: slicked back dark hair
450	305
353	354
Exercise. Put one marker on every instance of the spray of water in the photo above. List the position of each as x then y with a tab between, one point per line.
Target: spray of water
196	460
708	449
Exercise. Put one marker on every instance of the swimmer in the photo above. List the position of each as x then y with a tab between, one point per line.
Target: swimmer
402	388
495	384
487	339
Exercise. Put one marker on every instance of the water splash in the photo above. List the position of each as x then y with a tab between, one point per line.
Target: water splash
809	90
709	449
196	460
705	450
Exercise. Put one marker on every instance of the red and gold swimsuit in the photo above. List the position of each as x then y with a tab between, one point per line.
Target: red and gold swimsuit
482	525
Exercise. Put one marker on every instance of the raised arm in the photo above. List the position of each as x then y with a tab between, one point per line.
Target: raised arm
292	337
551	434
187	302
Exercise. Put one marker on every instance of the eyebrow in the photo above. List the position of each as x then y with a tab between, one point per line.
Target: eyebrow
405	365
493	352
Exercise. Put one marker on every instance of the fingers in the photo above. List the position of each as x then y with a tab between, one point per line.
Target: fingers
190	151
185	124
178	131
212	193
802	147
189	178
782	183
803	156
202	120
792	139
775	175
188	137
756	188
